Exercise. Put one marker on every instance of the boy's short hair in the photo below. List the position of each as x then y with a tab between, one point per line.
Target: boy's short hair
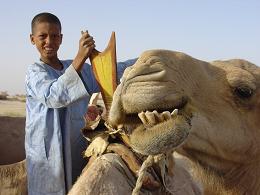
45	17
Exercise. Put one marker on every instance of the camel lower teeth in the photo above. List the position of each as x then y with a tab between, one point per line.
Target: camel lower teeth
174	112
152	118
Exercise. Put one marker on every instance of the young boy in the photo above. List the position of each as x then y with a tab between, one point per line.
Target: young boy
57	93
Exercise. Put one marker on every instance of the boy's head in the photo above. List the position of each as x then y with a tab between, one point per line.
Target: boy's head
46	35
45	17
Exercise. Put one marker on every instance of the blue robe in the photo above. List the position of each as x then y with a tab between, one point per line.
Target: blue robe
56	102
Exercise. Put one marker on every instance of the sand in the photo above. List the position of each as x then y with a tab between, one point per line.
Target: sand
12	108
12	123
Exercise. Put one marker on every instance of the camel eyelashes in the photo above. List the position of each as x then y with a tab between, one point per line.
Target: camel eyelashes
243	92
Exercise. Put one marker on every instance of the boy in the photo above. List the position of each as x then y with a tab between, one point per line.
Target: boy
57	97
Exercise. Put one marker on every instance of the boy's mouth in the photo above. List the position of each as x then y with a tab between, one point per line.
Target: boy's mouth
49	49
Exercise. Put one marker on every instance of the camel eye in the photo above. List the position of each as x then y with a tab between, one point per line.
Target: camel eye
243	92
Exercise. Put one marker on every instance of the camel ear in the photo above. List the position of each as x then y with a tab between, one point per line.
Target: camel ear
32	39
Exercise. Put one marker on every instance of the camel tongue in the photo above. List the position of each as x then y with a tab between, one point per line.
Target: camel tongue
105	70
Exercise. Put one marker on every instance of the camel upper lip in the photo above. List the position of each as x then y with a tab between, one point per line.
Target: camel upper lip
179	104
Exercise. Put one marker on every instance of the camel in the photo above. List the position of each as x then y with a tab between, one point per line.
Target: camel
218	109
218	104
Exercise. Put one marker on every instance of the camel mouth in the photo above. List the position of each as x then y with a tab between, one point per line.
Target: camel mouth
158	130
154	128
132	120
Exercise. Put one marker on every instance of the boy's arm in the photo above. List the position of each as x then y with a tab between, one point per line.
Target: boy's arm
54	93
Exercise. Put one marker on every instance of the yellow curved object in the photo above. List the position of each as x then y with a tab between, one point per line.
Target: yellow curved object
104	68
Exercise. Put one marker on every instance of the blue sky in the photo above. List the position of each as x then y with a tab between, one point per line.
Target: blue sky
207	30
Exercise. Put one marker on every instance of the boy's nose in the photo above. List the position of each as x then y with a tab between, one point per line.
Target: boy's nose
48	39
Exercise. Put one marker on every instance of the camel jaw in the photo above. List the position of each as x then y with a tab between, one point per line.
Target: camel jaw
207	161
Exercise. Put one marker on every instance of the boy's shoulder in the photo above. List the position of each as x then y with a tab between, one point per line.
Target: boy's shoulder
41	66
36	66
66	63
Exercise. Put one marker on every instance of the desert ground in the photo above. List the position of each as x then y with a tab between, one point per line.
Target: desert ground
12	123
12	108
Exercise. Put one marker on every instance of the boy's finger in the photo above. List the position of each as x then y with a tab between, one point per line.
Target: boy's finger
88	41
88	44
85	33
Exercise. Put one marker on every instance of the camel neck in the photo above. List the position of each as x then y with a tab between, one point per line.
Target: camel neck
245	178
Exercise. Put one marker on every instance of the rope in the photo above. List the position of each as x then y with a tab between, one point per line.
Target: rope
112	131
150	160
146	164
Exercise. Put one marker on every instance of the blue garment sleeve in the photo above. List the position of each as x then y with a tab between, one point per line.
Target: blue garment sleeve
121	66
89	79
53	91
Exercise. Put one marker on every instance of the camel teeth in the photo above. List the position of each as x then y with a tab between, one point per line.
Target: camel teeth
142	117
174	112
166	115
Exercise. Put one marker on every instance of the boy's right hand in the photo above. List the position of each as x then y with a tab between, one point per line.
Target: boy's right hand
86	46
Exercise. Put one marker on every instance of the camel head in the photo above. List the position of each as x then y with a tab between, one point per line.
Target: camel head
218	103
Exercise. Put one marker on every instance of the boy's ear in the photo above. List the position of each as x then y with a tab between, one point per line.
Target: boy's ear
61	36
32	39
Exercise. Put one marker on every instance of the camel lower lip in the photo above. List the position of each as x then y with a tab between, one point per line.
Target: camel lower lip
151	140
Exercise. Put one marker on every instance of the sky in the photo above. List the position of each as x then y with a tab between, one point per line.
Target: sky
206	30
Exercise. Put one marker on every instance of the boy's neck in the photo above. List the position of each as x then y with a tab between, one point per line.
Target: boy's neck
54	63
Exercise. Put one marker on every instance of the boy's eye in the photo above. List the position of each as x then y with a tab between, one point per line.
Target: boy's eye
55	36
41	36
52	36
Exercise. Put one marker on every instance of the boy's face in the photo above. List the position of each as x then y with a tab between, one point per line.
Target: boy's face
47	38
